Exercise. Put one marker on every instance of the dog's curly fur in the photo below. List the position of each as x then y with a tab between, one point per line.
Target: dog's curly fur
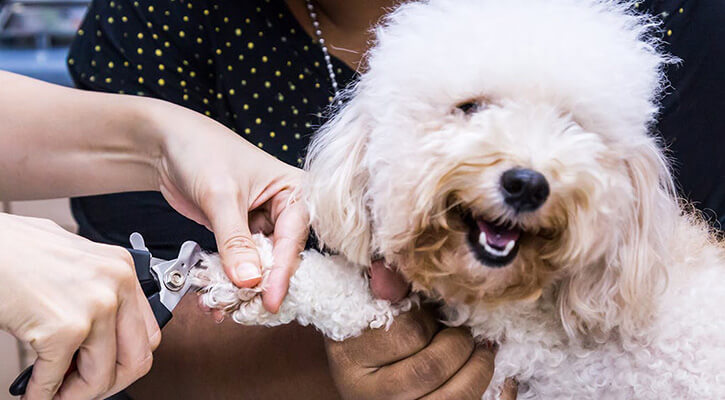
615	291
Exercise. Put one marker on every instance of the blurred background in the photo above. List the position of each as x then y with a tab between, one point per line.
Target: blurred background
34	40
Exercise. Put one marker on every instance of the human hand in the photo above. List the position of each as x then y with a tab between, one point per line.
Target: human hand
416	358
233	188
63	293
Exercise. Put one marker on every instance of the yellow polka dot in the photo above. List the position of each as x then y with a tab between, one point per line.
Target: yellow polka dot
301	76
255	95
219	96
185	97
283	123
161	67
284	147
247	20
81	32
226	20
227	44
185	18
192	74
277	73
139	67
260	144
231	92
297	136
205	100
682	10
245	107
162	82
317	85
140	79
219	52
179	69
140	36
207	113
267	84
272	134
182	83
264	59
167	44
71	61
247	131
92	78
158	53
198	40
305	47
124	19
229	68
155	36
97	48
149	24
189	5
151	8
110	64
241	57
250	45
165	27
110	20
126	64
258	121
206	12
253	70
238	32
182	34
93	63
260	33
669	32
108	80
139	50
244	82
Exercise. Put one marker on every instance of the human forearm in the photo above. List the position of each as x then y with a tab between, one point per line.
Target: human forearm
57	142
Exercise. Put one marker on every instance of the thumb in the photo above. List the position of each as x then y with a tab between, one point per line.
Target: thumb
236	248
386	283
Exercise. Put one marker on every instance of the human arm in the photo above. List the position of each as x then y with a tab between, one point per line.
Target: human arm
57	142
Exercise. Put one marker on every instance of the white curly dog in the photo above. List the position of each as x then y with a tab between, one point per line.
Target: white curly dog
499	153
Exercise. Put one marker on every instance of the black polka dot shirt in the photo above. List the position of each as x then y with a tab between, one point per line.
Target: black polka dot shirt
247	64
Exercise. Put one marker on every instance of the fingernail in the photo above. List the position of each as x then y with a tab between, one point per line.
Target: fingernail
248	275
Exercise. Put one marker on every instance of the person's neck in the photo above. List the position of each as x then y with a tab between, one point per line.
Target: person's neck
345	25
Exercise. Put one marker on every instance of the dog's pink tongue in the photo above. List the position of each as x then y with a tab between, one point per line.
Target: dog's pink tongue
498	236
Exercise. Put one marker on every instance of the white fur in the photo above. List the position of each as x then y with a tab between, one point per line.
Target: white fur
326	292
617	291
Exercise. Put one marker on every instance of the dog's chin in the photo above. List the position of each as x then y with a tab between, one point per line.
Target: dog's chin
493	244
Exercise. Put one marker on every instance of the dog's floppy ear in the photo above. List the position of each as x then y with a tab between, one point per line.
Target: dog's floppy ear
337	183
618	290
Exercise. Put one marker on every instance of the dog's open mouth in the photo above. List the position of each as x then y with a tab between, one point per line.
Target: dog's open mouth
495	245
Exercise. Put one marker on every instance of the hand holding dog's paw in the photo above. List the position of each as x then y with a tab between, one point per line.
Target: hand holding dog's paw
415	358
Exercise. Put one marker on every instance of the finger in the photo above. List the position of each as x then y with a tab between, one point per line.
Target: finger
134	347
430	368
471	381
510	389
290	235
236	248
48	373
386	283
409	334
96	363
153	332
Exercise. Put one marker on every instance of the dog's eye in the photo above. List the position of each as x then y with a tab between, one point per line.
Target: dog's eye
470	107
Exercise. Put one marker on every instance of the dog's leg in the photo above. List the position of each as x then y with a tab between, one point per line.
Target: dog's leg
326	291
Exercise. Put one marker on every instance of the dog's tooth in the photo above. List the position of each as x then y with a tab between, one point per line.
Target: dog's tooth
482	239
509	246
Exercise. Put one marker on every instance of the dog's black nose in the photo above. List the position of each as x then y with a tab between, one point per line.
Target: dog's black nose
524	189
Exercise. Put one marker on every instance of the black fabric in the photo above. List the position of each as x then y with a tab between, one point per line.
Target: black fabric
272	91
247	64
692	121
